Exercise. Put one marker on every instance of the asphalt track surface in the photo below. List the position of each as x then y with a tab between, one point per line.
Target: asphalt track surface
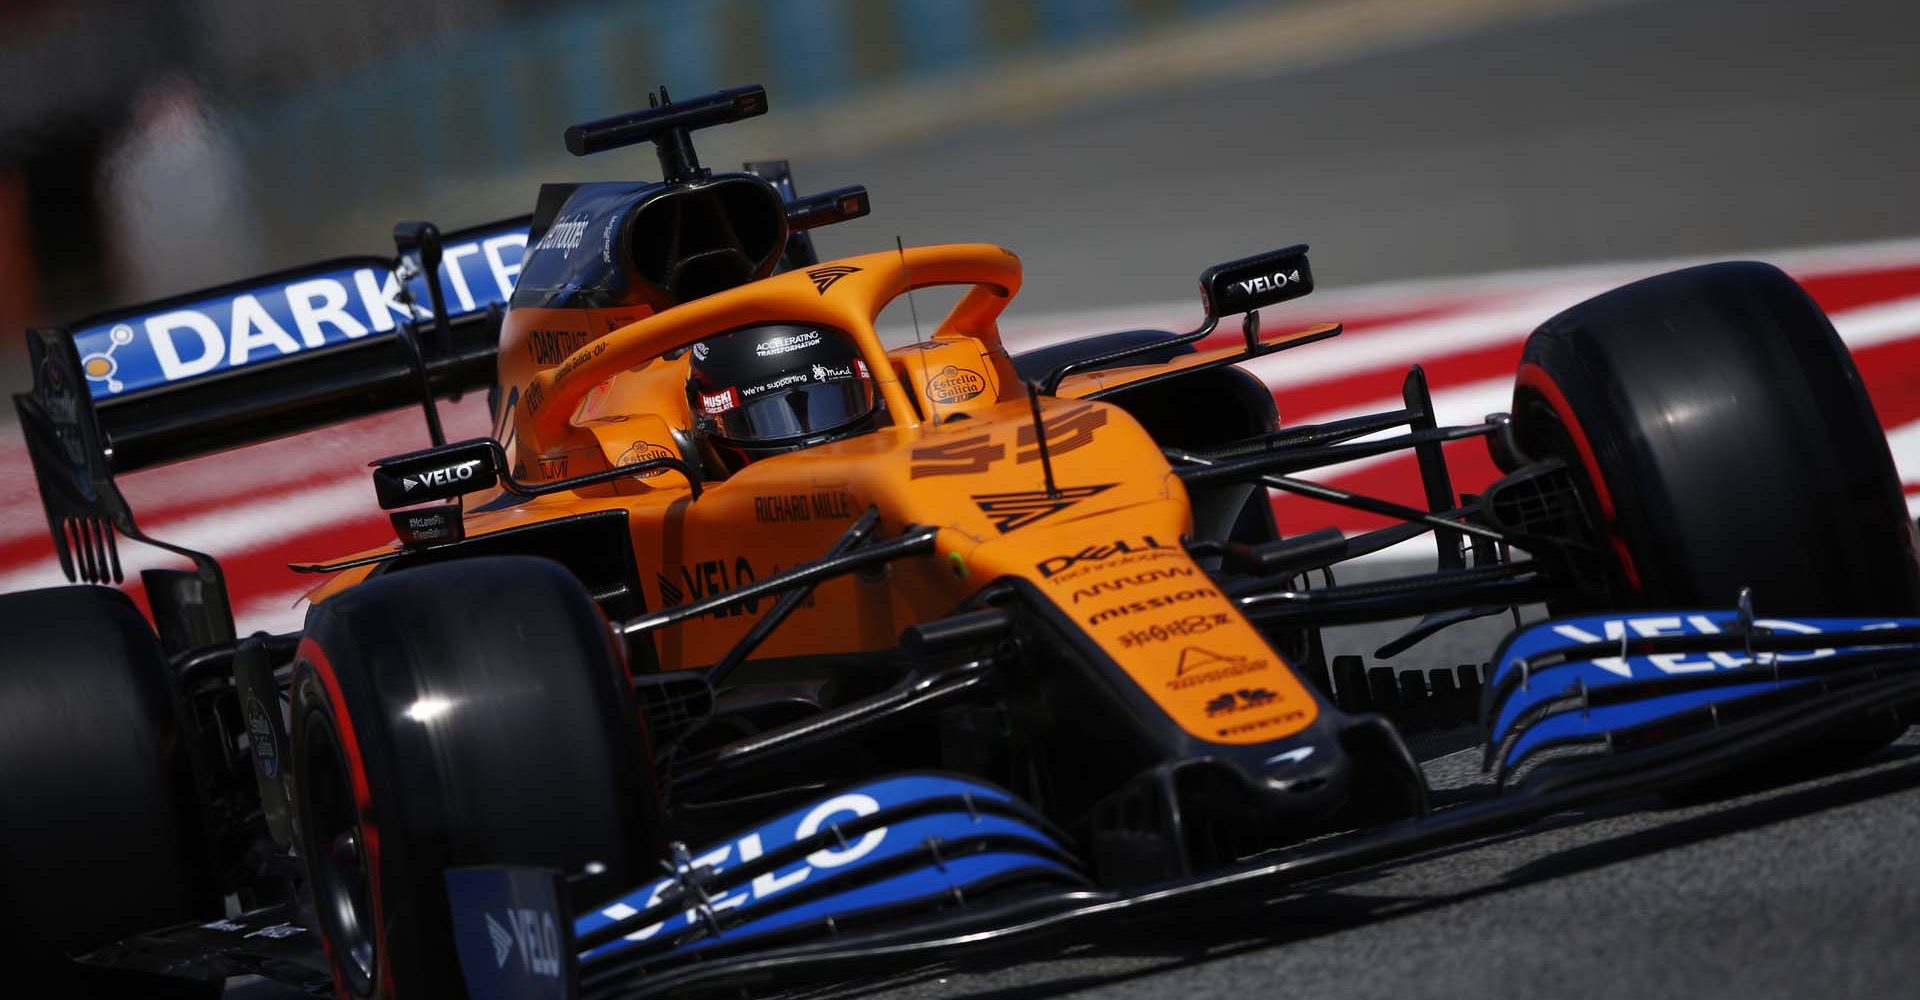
1803	891
1639	130
1625	131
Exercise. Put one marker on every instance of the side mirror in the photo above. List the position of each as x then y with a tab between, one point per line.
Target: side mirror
452	470
1250	283
436	473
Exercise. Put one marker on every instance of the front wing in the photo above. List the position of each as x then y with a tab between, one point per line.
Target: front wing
910	871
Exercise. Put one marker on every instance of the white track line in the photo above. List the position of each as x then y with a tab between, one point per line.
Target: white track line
1803	262
276	612
225	532
1414	341
254	474
1469	402
1881	323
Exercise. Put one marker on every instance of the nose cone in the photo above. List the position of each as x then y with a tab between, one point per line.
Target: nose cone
1220	804
1187	816
1272	794
1303	776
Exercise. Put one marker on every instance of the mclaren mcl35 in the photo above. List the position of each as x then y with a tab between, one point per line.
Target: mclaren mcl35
749	652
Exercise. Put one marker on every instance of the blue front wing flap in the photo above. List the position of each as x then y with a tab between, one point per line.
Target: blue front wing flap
907	843
924	846
1670	672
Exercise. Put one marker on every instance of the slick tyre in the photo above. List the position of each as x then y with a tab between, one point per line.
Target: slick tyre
100	830
466	713
1723	440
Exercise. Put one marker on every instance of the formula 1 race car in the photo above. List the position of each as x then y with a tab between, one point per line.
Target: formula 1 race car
748	653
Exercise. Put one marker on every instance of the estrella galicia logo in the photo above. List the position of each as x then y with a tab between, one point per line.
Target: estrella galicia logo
954	384
645	451
824	277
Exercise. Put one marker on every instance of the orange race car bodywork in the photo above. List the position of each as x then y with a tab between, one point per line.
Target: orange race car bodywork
960	453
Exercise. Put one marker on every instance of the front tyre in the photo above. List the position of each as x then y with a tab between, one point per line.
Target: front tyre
467	713
1723	440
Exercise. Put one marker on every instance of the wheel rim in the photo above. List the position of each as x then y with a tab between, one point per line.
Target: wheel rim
1541	409
343	883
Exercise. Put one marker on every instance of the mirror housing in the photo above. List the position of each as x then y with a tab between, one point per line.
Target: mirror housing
436	473
453	470
1250	283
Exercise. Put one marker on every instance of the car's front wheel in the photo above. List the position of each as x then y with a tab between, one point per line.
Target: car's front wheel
1723	440
467	713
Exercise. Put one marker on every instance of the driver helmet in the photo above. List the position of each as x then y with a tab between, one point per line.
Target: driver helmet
764	390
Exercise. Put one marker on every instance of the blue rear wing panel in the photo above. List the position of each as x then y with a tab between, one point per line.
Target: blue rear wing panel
289	313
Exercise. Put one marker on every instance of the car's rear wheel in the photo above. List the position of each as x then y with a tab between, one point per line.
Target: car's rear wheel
100	827
1723	439
466	713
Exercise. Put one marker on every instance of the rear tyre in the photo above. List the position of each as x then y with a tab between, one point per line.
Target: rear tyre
100	828
1722	436
467	713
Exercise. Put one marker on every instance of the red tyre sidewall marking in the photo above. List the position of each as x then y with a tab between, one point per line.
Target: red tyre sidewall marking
1535	378
311	652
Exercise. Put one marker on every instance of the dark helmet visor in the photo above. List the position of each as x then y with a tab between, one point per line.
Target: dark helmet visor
793	411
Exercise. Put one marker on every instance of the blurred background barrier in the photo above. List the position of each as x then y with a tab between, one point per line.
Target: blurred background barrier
254	132
151	146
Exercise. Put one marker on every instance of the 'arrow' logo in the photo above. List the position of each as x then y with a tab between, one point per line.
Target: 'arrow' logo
408	483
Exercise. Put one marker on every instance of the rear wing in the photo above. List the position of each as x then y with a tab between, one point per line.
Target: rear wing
243	363
294	350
